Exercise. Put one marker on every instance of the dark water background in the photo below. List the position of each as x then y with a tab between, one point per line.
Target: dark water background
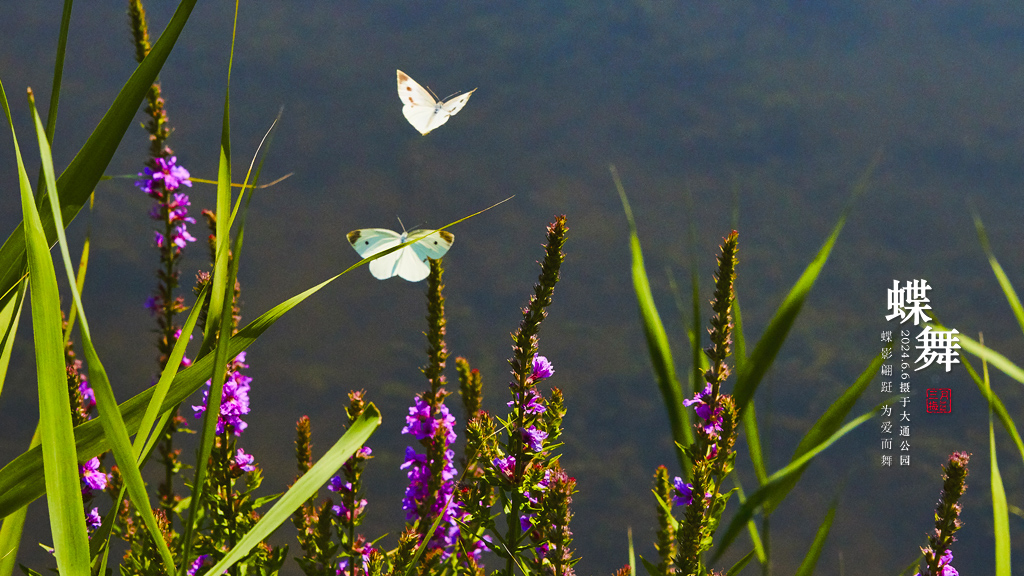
765	113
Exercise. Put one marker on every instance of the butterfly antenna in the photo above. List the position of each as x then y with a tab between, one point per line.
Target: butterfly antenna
400	224
432	93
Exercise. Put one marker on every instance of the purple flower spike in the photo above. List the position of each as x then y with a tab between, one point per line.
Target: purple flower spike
541	368
234	400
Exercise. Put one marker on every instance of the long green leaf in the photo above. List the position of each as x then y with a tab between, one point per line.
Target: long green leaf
1001	277
987	355
304	487
657	339
218	328
11	529
1000	513
755	536
149	434
85	170
21	479
826	425
741	563
67	518
10	317
776	481
114	427
752	371
811	559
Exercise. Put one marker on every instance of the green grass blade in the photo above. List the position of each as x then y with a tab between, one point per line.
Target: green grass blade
761	358
1004	364
106	404
827	425
632	552
148	435
1000	513
755	536
10	318
85	170
58	70
741	563
652	570
11	530
777	481
1004	281
753	369
218	329
987	355
304	487
811	559
753	434
67	517
657	339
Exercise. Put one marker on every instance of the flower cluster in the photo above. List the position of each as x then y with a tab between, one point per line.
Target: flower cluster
161	182
234	398
425	497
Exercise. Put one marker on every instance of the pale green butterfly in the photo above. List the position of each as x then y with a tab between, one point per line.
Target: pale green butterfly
409	262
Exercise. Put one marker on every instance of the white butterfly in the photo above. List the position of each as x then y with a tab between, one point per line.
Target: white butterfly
409	262
421	110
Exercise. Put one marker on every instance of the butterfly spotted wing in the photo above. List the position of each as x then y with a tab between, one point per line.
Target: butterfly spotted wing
420	108
408	262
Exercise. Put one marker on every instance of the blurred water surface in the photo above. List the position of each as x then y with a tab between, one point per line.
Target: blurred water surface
764	113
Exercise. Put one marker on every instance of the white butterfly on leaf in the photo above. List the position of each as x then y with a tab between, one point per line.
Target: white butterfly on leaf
408	262
422	110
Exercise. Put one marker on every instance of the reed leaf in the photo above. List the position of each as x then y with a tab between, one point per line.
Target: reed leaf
1000	512
987	354
67	518
304	487
811	558
1001	277
657	340
777	482
219	326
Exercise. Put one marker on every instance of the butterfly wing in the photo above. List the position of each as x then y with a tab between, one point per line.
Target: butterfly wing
425	118
418	106
370	241
413	265
455	104
410	266
431	243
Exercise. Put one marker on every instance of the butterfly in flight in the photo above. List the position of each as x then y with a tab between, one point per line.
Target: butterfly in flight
408	262
422	110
